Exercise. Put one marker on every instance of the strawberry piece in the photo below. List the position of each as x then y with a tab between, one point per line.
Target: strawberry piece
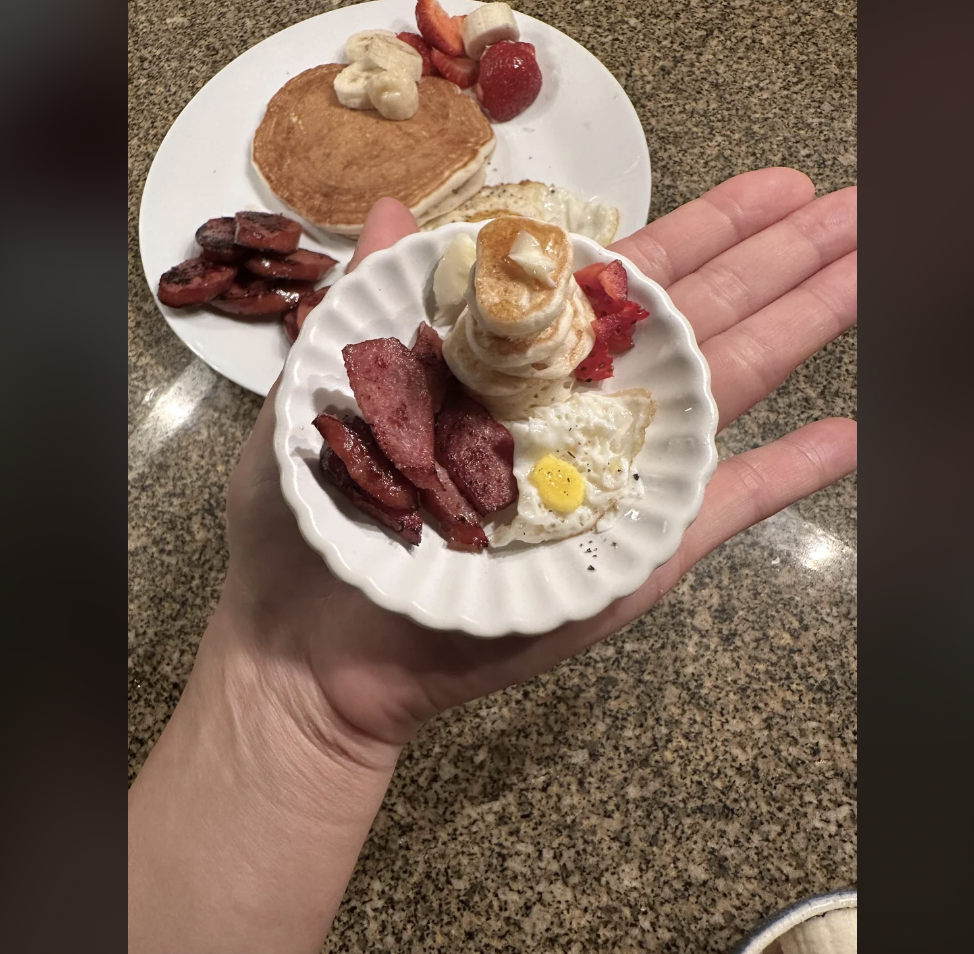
439	29
615	281
616	334
597	366
604	281
422	48
588	281
587	278
510	79
630	311
607	287
457	69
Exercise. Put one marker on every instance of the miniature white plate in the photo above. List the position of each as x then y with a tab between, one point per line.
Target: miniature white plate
581	133
516	589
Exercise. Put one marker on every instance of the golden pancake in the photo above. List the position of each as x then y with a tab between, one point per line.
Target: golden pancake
471	187
504	353
510	302
329	164
465	365
520	406
572	351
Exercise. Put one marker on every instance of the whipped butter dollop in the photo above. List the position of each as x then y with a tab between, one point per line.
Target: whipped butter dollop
527	252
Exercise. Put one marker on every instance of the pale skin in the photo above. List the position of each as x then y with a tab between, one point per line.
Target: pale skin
249	814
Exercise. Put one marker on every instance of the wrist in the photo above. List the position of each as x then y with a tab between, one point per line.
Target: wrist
251	667
246	820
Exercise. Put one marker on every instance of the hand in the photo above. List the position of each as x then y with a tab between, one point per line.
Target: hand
765	273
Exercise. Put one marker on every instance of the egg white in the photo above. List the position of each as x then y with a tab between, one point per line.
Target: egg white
600	435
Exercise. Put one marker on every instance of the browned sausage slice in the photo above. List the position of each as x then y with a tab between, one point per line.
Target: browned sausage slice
266	231
308	304
291	328
194	282
371	470
254	296
408	524
302	264
294	320
215	237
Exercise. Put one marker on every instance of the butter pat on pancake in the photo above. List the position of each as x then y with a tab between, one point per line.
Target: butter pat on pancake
330	164
510	302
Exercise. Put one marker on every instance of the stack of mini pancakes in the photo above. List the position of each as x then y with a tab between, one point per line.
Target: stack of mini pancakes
518	340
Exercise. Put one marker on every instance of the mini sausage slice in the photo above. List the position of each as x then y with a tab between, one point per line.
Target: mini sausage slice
250	296
302	264
215	237
266	231
294	320
194	282
408	524
371	470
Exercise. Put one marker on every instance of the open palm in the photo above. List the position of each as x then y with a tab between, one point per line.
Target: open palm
765	273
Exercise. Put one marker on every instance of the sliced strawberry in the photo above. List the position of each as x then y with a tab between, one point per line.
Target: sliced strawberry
607	287
457	69
422	48
439	29
510	79
587	278
597	366
616	334
597	280
615	281
630	311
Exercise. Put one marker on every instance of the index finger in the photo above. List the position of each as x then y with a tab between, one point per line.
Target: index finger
682	241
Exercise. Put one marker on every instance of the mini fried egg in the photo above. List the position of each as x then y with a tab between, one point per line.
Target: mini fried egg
573	463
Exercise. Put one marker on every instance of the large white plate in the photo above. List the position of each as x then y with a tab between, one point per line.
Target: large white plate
581	133
517	589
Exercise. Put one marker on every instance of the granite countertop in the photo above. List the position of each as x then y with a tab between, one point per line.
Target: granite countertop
697	771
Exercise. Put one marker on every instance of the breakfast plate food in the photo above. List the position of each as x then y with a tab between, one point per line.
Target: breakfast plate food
309	124
518	433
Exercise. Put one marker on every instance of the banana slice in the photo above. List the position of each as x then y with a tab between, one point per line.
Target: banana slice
357	44
489	23
453	272
394	94
390	53
351	83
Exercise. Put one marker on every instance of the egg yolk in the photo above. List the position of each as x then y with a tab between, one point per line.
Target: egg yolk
560	486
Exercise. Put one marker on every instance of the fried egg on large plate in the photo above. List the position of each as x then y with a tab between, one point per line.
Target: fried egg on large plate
573	463
536	200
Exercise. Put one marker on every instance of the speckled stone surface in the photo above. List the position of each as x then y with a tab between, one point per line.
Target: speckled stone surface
692	774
